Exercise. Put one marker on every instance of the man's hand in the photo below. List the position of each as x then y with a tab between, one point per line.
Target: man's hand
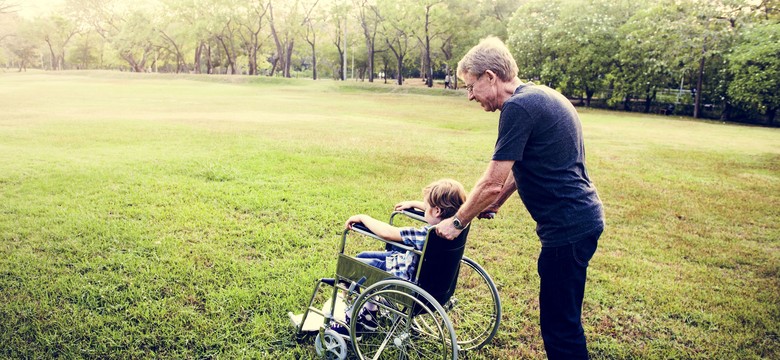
447	230
489	212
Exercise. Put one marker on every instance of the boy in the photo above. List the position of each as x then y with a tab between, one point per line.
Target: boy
441	200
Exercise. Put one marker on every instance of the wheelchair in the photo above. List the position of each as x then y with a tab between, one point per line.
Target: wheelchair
453	305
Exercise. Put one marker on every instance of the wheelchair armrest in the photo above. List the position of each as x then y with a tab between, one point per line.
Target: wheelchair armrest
362	229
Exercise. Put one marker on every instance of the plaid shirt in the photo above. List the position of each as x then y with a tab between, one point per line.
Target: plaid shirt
404	264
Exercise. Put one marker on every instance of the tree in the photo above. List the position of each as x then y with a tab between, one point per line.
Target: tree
646	60
338	15
429	21
530	43
584	42
313	24
310	32
286	30
132	38
22	43
224	30
250	26
755	65
7	7
397	30
85	50
370	19
129	31
57	31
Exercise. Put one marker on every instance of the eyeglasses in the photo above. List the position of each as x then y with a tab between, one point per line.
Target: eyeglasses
470	88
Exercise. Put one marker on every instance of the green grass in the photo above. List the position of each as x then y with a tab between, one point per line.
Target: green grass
184	216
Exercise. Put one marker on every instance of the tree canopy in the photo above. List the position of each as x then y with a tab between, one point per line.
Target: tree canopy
714	58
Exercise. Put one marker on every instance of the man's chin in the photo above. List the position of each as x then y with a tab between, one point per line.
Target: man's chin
487	108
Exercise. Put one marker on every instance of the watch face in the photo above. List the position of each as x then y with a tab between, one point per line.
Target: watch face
457	223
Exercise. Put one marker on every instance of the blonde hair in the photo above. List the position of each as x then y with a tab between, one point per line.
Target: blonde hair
489	54
445	194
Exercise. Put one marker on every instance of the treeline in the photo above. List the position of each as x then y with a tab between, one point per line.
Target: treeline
705	58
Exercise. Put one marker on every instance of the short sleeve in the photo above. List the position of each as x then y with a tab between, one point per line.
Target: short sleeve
514	129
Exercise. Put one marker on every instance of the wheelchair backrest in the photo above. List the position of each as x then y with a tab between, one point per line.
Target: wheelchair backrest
438	270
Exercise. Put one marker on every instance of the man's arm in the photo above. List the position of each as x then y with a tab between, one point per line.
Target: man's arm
509	188
487	191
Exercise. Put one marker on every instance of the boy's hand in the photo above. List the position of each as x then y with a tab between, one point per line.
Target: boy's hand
403	205
354	219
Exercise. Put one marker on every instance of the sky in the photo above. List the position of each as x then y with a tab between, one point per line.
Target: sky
33	8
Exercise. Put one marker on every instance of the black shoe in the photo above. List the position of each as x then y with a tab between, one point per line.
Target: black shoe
342	331
368	319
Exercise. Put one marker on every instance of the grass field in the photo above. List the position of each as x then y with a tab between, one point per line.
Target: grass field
151	216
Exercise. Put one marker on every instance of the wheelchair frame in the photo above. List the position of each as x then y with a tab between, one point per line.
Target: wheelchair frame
415	319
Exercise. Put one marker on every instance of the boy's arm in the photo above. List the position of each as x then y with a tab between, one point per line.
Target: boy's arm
403	205
379	228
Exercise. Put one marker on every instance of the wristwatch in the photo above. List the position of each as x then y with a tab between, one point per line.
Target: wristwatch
457	223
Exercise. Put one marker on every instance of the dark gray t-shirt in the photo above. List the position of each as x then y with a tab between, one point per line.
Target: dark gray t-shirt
539	129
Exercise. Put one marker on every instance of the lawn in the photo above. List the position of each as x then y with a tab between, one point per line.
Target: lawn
184	216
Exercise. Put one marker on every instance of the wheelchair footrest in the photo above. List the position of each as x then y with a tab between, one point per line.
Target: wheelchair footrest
314	320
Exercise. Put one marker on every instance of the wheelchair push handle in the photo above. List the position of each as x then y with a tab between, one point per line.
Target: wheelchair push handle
414	211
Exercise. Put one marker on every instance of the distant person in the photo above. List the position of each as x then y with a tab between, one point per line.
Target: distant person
540	153
447	80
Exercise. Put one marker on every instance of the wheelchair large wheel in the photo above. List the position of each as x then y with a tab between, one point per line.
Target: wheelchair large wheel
395	336
474	308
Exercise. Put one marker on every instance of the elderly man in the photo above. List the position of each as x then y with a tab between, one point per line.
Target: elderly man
539	153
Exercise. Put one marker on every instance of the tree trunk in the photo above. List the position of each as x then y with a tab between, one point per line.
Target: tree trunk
725	115
209	63
231	61
699	82
279	50
588	96
400	68
252	60
428	68
370	64
649	97
288	59
313	60
198	52
53	60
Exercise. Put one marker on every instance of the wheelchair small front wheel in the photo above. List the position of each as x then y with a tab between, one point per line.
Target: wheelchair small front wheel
330	345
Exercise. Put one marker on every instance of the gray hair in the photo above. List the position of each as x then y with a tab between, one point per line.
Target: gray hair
489	54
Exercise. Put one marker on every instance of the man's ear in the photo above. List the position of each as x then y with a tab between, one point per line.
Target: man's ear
491	75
